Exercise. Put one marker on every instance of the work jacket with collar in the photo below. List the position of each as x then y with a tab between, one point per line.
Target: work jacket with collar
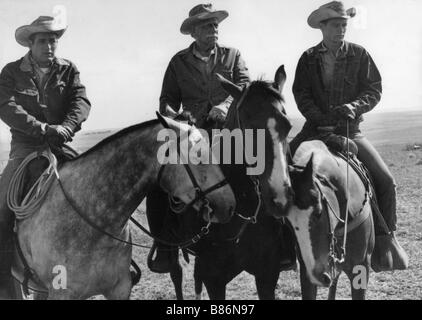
186	85
356	81
24	107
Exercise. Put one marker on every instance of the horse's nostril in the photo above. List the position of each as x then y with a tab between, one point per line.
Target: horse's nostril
326	279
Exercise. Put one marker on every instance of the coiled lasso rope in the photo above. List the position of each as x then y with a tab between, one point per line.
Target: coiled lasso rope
33	199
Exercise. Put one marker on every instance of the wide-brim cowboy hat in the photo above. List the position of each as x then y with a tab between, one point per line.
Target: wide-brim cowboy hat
201	13
41	24
332	10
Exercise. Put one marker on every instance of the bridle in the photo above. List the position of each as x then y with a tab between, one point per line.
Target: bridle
200	195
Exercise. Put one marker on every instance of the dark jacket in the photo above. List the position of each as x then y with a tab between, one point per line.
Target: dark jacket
23	107
356	81
185	84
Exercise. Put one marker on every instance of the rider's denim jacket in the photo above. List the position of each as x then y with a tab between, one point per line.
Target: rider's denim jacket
356	81
24	106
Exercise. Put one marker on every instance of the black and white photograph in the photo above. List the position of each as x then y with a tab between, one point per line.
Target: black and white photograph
235	150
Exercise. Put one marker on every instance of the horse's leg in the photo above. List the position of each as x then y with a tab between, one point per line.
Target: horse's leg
216	287
359	285
198	282
176	275
266	283
309	290
333	288
122	289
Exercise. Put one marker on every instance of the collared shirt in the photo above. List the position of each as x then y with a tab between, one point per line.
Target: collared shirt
206	64
41	74
328	63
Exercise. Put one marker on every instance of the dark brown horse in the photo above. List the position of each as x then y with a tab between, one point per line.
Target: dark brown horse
318	219
241	245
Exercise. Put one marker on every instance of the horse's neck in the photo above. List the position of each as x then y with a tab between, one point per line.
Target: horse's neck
110	182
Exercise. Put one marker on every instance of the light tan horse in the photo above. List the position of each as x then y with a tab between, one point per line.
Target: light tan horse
106	184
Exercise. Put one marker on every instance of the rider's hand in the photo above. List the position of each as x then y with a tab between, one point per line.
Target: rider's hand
58	134
345	111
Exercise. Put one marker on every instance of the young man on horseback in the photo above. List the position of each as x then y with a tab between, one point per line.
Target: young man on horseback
190	84
337	82
43	101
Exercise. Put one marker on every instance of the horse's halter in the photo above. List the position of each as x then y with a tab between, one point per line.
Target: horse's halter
200	195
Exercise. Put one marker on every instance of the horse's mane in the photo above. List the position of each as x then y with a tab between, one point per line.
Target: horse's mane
117	135
265	85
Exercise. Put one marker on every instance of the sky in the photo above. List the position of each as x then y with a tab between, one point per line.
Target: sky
122	48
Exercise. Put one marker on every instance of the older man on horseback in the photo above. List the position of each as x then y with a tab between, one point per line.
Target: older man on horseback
43	102
190	87
337	82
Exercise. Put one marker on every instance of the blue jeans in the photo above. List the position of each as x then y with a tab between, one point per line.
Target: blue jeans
384	183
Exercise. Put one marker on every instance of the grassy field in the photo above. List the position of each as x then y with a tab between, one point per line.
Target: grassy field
395	135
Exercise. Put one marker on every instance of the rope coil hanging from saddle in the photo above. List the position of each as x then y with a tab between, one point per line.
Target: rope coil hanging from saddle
33	199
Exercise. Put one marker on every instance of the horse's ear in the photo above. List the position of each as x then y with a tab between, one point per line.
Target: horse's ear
234	90
280	78
169	123
308	173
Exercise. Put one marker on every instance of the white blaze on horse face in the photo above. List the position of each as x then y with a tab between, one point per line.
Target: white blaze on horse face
279	179
300	221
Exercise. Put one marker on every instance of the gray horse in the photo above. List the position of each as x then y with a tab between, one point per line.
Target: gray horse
105	185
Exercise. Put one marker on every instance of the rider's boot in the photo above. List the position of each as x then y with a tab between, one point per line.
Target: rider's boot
388	255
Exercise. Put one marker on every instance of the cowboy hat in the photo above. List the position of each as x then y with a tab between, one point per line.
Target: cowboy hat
201	13
41	24
332	10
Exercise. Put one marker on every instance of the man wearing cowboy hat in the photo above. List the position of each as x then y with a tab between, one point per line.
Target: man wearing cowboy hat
42	101
189	82
190	86
337	82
